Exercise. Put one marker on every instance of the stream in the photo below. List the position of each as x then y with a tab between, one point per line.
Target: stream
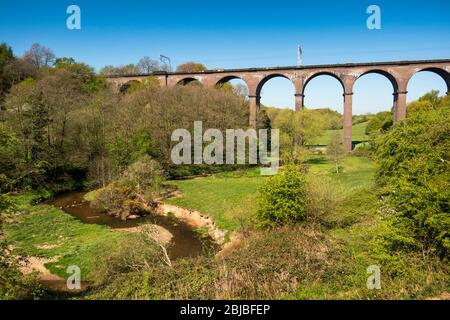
185	242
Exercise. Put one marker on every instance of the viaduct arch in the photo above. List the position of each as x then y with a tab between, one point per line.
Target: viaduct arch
399	73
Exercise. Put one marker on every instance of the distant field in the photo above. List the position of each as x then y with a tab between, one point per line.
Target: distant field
358	134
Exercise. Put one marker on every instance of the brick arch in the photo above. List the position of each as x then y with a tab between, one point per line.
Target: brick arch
188	80
391	77
440	72
263	81
323	73
123	87
229	78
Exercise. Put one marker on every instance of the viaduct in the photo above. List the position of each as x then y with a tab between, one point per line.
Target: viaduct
399	73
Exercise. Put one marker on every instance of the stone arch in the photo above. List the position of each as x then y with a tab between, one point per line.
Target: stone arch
440	72
188	80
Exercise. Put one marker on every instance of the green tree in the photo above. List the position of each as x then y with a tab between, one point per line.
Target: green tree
6	55
297	129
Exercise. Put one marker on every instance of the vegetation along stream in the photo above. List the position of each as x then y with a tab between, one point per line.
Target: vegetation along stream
185	242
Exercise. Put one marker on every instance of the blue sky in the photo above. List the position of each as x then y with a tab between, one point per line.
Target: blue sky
240	34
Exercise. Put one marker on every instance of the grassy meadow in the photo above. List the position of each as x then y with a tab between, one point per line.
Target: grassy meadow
47	232
330	261
231	197
358	134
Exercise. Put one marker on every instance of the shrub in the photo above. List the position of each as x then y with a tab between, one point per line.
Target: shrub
323	197
5	202
13	284
134	193
414	167
363	149
282	198
379	122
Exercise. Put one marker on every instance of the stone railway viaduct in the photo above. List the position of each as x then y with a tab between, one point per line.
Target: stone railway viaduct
399	73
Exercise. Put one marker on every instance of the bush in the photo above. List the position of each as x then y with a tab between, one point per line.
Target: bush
269	266
363	149
380	122
122	202
323	197
13	284
5	202
282	198
134	193
414	167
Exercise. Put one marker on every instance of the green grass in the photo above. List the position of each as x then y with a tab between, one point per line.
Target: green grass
356	172
229	197
47	232
358	134
222	196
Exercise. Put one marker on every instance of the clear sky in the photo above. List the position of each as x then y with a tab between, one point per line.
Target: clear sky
240	34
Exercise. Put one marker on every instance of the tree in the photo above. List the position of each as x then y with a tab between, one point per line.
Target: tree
240	90
147	65
427	102
83	72
191	67
335	150
6	55
64	62
379	123
39	56
123	70
17	70
296	128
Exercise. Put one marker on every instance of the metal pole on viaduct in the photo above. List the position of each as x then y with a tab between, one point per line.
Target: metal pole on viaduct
399	73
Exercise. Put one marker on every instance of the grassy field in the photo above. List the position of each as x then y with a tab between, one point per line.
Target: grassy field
358	134
303	261
357	172
224	196
327	261
230	196
48	232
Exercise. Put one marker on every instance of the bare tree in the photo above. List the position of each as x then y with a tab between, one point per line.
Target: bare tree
39	56
147	65
335	150
240	90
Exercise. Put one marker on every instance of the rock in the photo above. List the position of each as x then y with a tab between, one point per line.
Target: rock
133	217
